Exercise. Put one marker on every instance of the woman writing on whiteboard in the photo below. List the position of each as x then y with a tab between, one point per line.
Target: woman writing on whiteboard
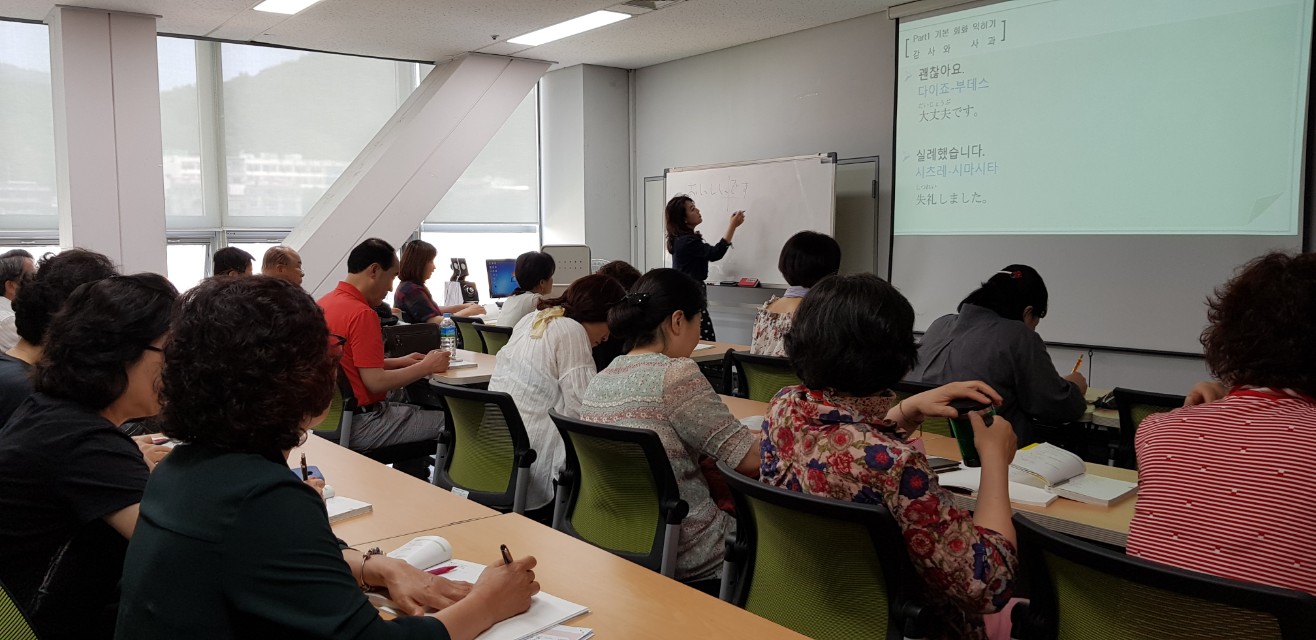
690	254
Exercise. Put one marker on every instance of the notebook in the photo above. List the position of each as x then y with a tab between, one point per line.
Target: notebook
563	632
701	346
341	508
460	364
1064	474
970	477
546	611
754	423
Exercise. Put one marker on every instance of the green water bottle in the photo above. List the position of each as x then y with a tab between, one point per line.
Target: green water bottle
962	428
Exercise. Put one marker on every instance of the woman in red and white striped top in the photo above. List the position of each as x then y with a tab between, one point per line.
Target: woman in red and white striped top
1228	487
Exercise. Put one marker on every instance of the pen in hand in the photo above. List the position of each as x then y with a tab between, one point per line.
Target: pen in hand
306	473
507	555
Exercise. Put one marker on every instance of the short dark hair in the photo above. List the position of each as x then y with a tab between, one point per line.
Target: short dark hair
44	294
621	271
675	221
588	299
16	253
808	257
532	267
13	268
232	260
1260	330
371	251
212	392
103	328
853	334
654	298
416	255
1011	290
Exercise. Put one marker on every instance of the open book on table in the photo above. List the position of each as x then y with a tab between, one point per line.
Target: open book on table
970	477
1064	474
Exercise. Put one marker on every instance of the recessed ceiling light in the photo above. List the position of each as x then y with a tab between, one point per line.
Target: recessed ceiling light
569	28
288	7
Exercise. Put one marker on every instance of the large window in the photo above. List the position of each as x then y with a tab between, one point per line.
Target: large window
476	243
180	129
27	129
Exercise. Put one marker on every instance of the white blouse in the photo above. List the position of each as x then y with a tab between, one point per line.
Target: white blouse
551	372
517	307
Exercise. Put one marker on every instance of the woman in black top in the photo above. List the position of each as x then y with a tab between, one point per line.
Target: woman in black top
690	254
230	543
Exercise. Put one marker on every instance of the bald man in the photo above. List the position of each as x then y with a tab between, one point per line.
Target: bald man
283	262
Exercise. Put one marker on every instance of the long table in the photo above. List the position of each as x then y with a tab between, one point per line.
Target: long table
1109	525
479	374
625	599
715	351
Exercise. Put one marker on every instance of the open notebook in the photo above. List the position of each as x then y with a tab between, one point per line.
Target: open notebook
970	477
1064	474
341	508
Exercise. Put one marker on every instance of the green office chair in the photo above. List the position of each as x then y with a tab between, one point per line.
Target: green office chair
805	562
495	338
758	377
1080	590
337	427
13	624
1134	407
907	388
485	451
467	337
618	493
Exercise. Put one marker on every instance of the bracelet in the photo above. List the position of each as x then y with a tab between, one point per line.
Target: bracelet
905	416
366	556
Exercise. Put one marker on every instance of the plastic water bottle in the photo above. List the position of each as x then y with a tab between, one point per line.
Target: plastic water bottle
448	335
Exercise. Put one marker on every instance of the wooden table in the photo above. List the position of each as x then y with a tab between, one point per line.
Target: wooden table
1093	522
401	503
479	374
625	600
718	351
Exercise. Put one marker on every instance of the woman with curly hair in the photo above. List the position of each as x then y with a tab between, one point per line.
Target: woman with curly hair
842	434
249	368
70	479
1247	455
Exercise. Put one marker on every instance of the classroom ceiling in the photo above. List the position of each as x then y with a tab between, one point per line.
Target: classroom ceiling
438	30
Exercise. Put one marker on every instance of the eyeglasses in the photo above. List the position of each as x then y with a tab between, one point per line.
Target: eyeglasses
336	343
151	347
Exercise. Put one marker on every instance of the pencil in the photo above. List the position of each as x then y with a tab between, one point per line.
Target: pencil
1076	366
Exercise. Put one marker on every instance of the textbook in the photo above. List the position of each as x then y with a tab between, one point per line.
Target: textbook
546	611
1064	474
970	477
341	508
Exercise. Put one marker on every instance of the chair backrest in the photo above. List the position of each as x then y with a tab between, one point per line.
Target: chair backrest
620	490
784	564
337	423
486	445
1134	406
13	624
907	388
1080	590
761	377
403	339
467	335
495	338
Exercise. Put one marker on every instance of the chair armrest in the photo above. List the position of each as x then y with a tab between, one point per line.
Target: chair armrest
675	511
1023	625
526	458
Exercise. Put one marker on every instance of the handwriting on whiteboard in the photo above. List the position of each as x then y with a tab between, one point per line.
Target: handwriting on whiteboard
728	189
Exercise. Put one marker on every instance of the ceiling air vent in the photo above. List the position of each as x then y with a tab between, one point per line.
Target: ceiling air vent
650	5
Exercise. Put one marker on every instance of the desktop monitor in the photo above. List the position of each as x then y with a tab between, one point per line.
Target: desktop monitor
502	280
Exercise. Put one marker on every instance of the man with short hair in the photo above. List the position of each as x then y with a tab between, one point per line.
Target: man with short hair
15	266
283	262
232	261
37	302
349	312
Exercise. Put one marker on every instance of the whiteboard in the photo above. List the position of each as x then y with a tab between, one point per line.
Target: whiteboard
780	197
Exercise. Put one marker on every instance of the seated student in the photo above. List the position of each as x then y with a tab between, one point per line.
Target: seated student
15	266
232	261
534	280
842	434
349	311
657	386
260	558
70	479
547	365
1226	487
994	338
806	258
413	297
283	262
39	299
625	274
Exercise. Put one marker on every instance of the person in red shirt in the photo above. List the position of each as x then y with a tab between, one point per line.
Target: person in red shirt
377	382
1225	486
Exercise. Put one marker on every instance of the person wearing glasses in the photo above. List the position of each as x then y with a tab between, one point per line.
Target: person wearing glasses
994	339
70	478
262	561
283	262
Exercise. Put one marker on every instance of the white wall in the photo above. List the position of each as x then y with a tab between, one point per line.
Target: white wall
826	89
562	154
